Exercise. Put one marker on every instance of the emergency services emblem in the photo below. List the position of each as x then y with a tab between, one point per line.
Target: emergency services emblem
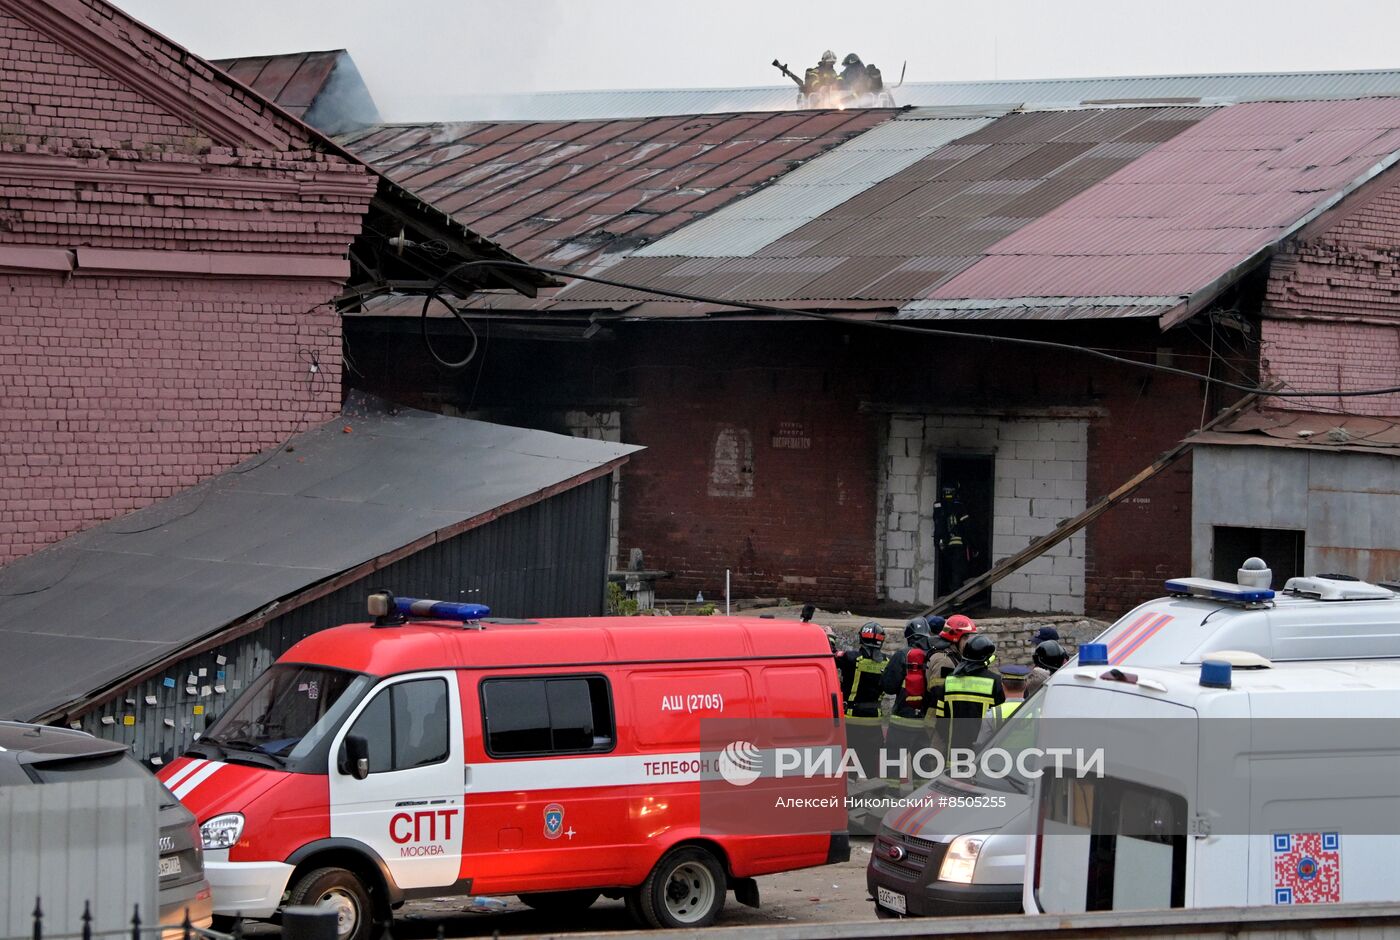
553	820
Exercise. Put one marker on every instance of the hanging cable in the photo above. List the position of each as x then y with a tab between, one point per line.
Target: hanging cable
436	294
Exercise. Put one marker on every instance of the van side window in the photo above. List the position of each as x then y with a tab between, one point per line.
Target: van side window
406	725
564	715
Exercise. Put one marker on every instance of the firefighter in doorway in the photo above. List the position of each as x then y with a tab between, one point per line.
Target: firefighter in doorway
950	524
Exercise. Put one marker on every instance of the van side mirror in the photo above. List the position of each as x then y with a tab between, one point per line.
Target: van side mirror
356	757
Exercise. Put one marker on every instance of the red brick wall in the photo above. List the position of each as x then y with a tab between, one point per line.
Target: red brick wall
808	530
114	393
1332	311
1139	543
117	390
805	529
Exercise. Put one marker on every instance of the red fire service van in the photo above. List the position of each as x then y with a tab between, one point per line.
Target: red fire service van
435	751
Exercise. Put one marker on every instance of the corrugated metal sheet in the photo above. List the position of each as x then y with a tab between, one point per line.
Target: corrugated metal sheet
1038	308
814	189
322	88
1190	211
576	192
953	200
1146	89
329	501
548	559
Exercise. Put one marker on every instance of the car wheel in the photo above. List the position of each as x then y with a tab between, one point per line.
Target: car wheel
561	901
223	923
685	889
341	891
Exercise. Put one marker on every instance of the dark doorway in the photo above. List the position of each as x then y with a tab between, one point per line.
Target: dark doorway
969	477
1282	549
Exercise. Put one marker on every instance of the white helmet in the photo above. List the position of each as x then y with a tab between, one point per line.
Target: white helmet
828	56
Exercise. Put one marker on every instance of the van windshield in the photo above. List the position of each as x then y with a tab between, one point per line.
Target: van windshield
287	710
1014	737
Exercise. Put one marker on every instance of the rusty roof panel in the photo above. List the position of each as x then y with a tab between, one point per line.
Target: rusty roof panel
588	183
1193	209
818	187
937	207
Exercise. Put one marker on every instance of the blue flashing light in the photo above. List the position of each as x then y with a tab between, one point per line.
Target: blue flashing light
1219	590
1215	674
441	610
1093	654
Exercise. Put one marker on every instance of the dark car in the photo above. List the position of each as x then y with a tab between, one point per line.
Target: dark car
40	754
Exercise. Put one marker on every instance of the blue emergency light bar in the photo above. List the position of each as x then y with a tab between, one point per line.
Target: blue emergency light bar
441	610
1219	591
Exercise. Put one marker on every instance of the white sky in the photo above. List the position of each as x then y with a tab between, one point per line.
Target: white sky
411	51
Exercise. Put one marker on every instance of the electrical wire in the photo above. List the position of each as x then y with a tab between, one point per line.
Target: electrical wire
1262	391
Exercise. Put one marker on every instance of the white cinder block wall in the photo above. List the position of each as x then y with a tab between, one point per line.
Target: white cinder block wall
1039	467
604	426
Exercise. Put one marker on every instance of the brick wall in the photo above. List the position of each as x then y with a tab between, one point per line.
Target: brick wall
818	517
758	471
114	393
1332	309
127	168
1145	539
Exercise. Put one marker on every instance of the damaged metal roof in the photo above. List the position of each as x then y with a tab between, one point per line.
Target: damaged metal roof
920	204
324	89
1264	427
1194	211
575	192
1141	89
134	592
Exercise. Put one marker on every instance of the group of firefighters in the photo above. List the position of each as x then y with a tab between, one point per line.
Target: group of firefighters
947	687
855	77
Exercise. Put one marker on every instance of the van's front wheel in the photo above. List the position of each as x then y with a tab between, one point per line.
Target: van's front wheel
685	889
341	891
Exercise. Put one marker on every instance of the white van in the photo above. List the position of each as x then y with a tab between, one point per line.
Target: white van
1275	783
969	856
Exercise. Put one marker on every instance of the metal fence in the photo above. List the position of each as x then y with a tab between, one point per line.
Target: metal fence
135	929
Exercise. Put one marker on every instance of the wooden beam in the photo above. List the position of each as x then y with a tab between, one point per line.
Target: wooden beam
1067	528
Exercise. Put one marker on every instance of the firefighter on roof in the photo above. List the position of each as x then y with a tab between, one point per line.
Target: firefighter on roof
860	681
818	80
855	80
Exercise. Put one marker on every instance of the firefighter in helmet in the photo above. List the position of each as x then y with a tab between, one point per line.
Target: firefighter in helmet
860	682
1013	682
950	523
969	691
854	78
817	81
1049	656
906	678
943	659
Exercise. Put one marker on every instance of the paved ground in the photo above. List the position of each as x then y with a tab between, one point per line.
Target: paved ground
814	895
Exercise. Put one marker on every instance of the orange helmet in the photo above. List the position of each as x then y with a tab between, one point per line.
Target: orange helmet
957	627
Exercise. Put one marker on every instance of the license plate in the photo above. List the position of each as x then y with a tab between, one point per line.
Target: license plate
891	899
170	865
